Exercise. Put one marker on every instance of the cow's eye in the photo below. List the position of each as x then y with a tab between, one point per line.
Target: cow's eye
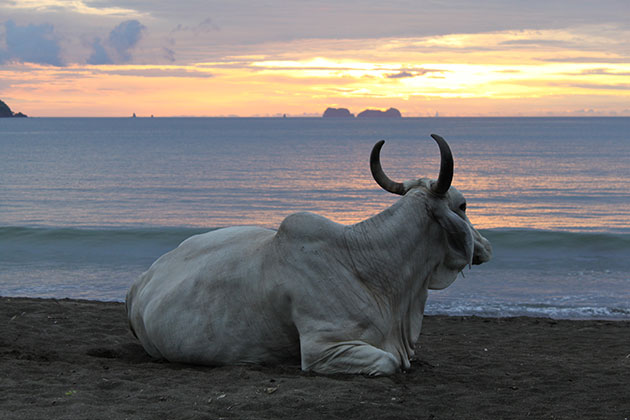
463	207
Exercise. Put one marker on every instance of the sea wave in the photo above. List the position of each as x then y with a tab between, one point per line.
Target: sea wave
532	273
521	238
21	244
532	309
565	240
510	245
48	234
555	249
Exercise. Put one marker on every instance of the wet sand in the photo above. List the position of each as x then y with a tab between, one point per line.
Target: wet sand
68	359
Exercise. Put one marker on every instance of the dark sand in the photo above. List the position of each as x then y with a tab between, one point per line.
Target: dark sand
76	360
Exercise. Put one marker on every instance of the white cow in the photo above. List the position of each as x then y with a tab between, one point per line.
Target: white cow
340	298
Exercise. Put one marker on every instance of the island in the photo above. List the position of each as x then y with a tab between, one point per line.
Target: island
5	112
374	113
337	113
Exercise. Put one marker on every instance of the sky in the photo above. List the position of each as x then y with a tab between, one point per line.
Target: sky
105	58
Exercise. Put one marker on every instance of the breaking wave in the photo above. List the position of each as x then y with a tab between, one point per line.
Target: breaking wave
535	310
143	240
567	275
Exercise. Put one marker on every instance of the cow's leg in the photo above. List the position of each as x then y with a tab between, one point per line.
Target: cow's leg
347	357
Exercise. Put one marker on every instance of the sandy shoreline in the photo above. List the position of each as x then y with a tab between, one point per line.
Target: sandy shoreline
76	360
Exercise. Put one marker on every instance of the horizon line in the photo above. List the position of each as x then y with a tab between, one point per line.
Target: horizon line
329	118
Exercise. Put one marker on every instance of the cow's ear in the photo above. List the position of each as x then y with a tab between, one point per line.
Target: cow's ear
458	233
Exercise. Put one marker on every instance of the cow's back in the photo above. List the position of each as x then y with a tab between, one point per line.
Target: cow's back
188	306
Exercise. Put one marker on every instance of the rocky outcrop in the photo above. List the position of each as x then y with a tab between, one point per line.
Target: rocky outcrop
5	112
337	113
373	113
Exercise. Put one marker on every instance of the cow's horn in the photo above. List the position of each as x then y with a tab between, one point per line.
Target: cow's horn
446	167
378	174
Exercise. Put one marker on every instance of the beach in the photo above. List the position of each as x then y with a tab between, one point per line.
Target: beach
76	359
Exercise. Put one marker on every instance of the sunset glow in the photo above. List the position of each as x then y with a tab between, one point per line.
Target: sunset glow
575	70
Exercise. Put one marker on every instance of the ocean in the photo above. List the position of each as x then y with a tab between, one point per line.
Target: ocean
87	204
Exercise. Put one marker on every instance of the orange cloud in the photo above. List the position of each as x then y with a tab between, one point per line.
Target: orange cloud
503	73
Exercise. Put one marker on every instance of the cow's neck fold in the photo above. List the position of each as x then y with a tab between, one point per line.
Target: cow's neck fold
392	252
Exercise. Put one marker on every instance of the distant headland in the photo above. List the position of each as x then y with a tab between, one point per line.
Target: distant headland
337	113
5	112
368	113
374	113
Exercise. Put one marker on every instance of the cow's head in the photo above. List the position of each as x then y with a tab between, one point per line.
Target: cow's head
447	207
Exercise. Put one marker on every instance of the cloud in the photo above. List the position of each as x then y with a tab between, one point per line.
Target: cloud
597	86
205	26
116	49
168	54
31	44
412	73
99	54
586	59
606	72
401	75
75	6
538	43
169	71
124	37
